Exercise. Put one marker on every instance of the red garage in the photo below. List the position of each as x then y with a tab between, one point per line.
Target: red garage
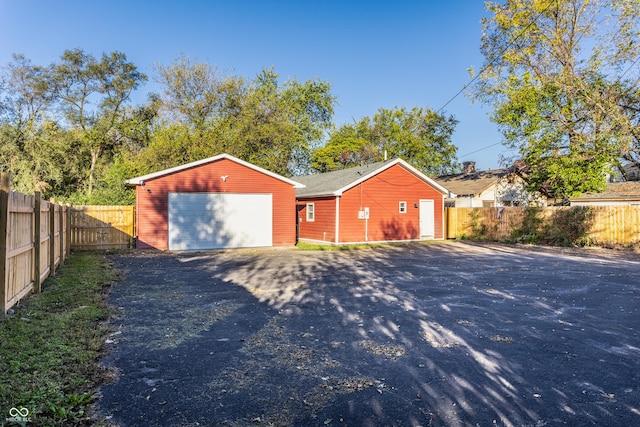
215	203
385	201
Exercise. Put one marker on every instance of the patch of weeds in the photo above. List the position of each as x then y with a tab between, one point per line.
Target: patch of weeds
171	331
529	231
562	227
391	352
570	226
478	227
52	342
312	379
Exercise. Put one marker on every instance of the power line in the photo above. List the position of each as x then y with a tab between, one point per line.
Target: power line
480	149
486	67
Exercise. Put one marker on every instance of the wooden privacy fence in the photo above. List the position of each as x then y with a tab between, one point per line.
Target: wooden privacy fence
36	237
34	242
102	227
608	226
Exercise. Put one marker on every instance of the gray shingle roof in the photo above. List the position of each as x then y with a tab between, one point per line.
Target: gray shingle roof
473	183
336	182
616	190
326	184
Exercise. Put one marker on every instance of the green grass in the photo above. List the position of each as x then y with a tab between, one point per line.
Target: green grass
51	344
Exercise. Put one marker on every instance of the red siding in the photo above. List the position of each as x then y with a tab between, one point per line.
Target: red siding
152	199
382	194
323	228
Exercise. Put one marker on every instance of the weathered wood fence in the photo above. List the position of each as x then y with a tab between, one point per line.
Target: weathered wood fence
609	226
36	237
35	243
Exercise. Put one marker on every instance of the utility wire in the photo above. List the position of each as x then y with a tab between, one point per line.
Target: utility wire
480	149
486	67
490	64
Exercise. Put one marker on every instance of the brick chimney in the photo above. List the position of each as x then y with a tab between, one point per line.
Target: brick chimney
468	167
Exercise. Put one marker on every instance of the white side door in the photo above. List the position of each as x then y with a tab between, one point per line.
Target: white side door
427	219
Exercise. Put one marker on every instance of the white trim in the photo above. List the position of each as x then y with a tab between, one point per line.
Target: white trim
402	207
337	224
443	219
141	179
397	161
313	212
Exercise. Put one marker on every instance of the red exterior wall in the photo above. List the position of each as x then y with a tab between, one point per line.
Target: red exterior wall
323	228
382	194
152	199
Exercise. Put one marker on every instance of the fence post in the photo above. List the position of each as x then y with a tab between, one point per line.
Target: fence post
62	255
67	249
52	238
452	223
4	220
36	243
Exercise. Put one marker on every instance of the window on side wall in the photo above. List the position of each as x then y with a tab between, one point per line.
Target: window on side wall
402	207
311	214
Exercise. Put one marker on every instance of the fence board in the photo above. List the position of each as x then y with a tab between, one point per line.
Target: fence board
28	228
102	227
608	226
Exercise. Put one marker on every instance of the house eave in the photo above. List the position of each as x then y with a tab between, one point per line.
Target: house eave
606	199
140	180
403	164
318	195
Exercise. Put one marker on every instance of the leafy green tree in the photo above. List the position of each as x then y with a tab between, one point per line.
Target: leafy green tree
557	80
420	136
277	125
262	121
348	146
80	80
23	127
630	112
195	93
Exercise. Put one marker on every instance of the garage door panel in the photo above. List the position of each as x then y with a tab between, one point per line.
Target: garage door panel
200	221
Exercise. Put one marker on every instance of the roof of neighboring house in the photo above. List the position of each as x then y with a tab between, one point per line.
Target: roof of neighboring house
141	179
472	183
337	182
632	171
629	190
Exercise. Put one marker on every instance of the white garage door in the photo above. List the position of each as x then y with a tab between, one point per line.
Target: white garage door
199	221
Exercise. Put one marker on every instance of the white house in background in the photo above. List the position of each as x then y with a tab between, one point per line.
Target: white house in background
616	194
490	188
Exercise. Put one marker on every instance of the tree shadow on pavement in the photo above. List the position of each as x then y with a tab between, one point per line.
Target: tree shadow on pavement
451	334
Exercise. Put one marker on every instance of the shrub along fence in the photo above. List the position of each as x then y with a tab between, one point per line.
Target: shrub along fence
607	226
37	236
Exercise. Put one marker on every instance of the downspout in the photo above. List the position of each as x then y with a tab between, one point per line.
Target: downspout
366	228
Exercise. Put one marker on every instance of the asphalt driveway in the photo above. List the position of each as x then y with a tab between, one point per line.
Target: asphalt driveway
447	334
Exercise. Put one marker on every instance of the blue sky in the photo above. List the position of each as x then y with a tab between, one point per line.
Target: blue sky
374	53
